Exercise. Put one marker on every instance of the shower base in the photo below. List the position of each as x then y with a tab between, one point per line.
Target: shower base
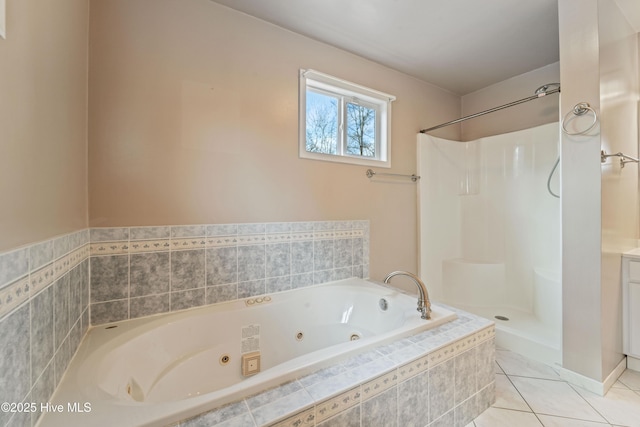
523	333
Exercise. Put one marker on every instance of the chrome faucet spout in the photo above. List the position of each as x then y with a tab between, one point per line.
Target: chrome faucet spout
424	304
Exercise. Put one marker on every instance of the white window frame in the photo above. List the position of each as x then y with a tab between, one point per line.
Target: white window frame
354	93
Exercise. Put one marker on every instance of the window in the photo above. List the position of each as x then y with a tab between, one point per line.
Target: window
343	122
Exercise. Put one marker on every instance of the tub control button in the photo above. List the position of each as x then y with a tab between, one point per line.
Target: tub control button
267	298
259	300
250	363
251	302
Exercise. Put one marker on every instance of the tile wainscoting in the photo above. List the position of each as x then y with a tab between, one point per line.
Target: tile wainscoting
44	300
52	291
140	271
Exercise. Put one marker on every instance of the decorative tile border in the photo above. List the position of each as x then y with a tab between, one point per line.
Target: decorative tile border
221	241
331	407
13	295
61	267
188	243
278	238
380	384
42	278
78	255
109	248
414	368
298	237
250	239
110	242
303	419
141	246
21	289
442	355
208	264
41	281
352	389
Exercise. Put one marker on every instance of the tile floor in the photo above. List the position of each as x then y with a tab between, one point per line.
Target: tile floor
531	394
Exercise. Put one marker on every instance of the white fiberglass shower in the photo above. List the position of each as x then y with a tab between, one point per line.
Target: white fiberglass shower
490	233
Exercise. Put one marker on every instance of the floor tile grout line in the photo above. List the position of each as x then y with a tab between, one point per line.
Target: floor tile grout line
551	415
576	419
525	400
520	411
537	378
627	386
604	421
513	410
534	377
589	403
624	386
539	420
554	415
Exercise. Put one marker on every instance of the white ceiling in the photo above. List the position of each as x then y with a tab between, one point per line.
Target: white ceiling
459	45
631	9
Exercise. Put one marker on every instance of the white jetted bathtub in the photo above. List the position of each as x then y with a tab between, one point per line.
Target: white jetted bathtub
162	369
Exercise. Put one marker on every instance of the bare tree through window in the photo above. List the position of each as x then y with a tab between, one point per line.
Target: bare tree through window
322	123
343	122
361	130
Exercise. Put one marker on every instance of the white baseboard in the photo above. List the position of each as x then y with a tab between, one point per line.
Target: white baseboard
594	386
633	363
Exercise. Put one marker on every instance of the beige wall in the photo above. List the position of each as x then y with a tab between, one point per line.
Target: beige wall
193	118
43	108
599	65
619	133
523	116
581	184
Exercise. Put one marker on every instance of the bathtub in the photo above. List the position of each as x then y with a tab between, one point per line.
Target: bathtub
163	369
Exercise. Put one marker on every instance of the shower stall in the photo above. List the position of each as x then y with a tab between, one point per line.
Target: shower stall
490	237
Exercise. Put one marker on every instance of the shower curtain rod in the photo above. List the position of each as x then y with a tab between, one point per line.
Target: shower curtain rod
482	113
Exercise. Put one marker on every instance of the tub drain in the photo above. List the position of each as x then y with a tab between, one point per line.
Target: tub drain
505	318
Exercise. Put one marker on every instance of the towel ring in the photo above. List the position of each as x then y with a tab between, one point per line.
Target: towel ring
580	109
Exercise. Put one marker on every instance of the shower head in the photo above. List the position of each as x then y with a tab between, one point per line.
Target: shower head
548	88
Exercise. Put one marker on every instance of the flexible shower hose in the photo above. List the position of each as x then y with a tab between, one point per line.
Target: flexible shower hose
549	179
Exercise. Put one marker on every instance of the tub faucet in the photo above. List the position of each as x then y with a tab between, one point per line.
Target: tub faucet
424	305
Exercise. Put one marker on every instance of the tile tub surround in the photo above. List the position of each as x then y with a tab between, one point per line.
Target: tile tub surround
44	300
141	271
442	377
